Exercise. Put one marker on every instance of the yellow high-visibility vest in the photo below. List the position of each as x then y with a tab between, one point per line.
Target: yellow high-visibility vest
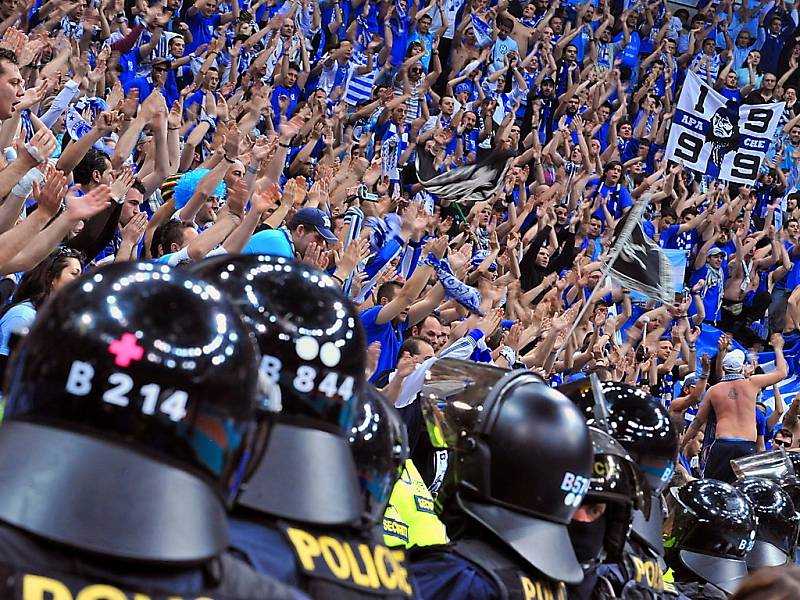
410	518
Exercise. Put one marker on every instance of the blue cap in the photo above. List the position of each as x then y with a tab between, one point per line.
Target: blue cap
317	218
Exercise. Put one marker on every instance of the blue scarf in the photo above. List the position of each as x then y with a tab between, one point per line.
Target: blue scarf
466	296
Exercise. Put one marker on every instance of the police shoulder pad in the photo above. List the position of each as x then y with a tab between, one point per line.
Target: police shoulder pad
25	585
355	563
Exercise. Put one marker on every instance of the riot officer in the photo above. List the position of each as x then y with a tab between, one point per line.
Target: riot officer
713	529
599	529
521	462
300	513
778	522
379	443
121	442
642	425
791	485
794	458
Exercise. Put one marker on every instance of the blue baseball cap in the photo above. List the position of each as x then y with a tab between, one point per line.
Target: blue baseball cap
317	218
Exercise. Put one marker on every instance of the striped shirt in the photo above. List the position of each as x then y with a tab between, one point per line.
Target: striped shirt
707	73
412	104
72	29
359	87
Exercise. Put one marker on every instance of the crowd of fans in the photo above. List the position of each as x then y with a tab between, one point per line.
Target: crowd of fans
169	131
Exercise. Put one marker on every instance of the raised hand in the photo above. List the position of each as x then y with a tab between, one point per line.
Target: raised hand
373	355
491	321
39	149
133	232
436	247
175	116
232	141
32	96
776	339
262	148
315	255
514	337
122	183
263	200
290	128
116	96
48	196
109	121
406	365
80	208
237	198
355	253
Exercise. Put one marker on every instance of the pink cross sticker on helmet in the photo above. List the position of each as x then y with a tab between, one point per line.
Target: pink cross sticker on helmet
125	349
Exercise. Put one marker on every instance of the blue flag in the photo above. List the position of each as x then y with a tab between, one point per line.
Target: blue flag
483	32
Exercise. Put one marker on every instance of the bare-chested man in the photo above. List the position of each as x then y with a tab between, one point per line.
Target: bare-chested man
734	403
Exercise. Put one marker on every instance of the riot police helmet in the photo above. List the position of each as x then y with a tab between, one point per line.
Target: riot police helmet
379	443
618	483
642	425
313	362
522	458
713	529
778	522
120	414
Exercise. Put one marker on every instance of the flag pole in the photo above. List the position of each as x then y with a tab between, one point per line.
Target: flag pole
615	252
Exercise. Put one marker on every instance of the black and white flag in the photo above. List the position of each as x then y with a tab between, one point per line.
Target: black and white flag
637	262
470	183
718	137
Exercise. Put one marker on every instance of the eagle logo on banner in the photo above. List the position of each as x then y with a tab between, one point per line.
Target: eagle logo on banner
718	137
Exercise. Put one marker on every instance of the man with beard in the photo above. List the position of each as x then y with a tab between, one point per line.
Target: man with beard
547	103
723	135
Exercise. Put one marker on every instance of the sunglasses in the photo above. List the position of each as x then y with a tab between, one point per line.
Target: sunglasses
68	252
782	443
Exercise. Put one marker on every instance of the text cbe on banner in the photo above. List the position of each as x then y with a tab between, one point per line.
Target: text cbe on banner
715	136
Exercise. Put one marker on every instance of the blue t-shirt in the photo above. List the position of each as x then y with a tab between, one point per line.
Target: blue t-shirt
761	423
712	299
390	337
666	238
672	240
628	149
500	49
630	53
202	29
292	93
128	62
16	318
619	198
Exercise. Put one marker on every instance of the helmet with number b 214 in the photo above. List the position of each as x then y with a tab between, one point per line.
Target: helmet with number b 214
313	366
121	435
522	458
